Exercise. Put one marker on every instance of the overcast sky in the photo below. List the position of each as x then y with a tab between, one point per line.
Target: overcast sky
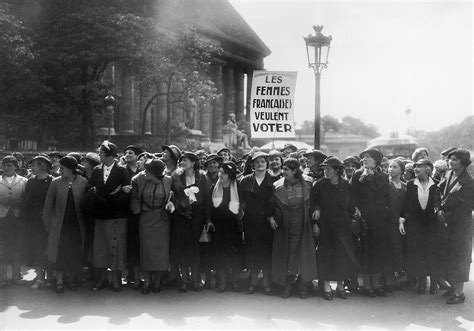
385	57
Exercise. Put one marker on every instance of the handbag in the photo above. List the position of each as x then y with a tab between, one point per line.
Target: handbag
205	236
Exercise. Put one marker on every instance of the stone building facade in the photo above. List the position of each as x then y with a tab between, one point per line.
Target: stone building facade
243	52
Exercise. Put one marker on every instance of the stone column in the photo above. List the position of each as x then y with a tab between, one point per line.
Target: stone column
239	93
127	104
217	105
229	92
249	94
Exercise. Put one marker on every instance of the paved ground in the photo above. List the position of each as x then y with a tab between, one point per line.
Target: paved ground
22	308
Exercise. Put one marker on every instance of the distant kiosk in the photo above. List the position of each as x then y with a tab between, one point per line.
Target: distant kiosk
394	145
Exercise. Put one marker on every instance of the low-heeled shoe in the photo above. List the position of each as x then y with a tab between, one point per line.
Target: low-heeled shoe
456	299
327	295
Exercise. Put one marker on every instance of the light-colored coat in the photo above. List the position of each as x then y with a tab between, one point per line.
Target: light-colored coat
55	207
11	195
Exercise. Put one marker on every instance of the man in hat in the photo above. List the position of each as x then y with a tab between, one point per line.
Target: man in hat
313	159
110	194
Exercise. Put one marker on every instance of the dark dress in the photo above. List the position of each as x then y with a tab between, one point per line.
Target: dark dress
35	235
226	238
372	198
188	220
255	201
335	254
69	258
396	240
422	228
458	203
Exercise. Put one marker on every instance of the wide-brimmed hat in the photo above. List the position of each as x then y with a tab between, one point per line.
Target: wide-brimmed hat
92	158
259	154
352	159
225	149
135	149
373	153
10	159
332	161
55	154
316	153
424	162
155	166
190	155
462	154
447	151
174	150
69	162
76	155
43	158
213	157
290	146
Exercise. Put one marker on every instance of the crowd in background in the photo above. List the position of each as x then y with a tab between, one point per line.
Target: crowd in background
195	220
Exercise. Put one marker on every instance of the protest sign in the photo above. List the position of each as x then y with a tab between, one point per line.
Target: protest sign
272	104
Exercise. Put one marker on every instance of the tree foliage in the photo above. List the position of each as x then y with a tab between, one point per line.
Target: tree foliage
348	125
71	45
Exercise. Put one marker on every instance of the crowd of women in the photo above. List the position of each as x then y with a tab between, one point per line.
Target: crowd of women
195	220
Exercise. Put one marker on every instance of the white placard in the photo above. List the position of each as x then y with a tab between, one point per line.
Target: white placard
272	104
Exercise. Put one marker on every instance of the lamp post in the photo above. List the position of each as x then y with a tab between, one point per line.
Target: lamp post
317	50
109	102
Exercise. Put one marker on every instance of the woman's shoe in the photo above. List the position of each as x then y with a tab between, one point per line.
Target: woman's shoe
369	293
268	291
99	285
286	294
456	299
380	293
327	295
59	288
342	294
250	290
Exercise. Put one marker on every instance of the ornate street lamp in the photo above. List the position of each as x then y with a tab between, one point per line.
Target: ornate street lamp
109	102
317	50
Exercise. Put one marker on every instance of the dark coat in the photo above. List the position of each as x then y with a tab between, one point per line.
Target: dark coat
371	196
458	205
335	254
104	204
422	228
280	210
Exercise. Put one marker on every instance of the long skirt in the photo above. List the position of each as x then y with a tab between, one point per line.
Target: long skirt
110	244
9	232
422	249
295	236
335	255
154	240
